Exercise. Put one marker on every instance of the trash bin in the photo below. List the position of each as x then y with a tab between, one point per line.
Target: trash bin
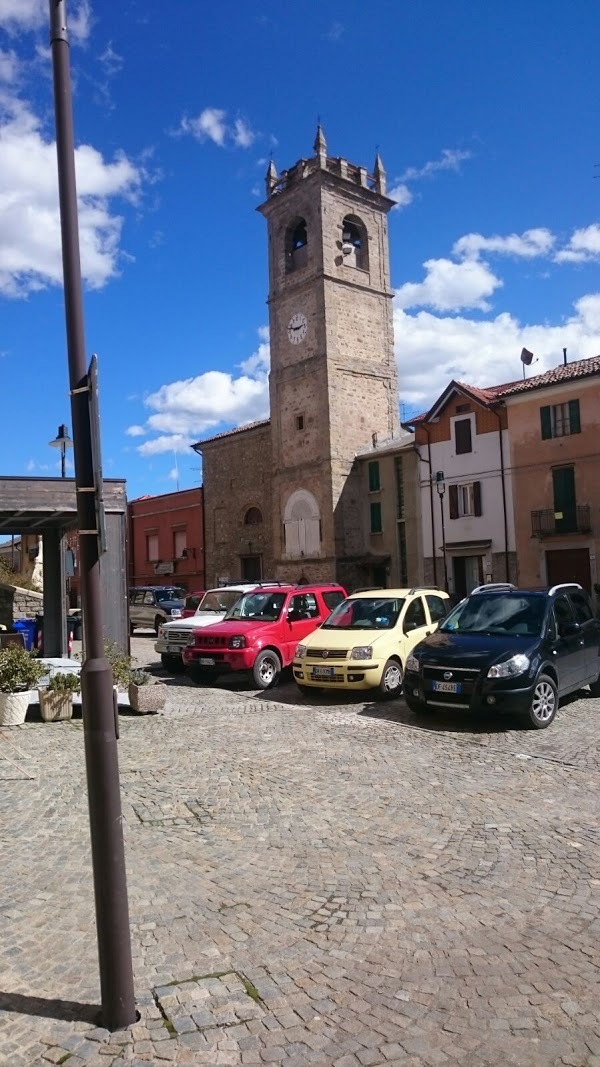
27	627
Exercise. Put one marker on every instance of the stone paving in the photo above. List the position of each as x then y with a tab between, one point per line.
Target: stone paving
311	882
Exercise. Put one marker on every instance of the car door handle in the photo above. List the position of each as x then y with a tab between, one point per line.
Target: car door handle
428	633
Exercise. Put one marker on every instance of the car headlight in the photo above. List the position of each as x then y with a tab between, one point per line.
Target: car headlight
412	663
300	651
362	652
176	613
515	665
238	641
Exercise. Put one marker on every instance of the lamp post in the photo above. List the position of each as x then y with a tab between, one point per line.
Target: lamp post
440	485
62	441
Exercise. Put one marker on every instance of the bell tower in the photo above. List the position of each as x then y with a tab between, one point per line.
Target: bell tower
333	383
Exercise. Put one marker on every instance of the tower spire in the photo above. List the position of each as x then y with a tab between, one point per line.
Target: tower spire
271	177
379	174
320	145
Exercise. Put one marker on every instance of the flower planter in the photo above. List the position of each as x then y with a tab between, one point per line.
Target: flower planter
13	708
55	706
147	699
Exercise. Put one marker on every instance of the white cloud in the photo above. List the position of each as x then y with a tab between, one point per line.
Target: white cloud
9	66
183	410
531	243
432	350
17	16
30	247
402	195
450	159
135	431
450	286
583	245
212	125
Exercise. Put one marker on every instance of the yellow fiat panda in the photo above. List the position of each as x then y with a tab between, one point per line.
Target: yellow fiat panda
365	641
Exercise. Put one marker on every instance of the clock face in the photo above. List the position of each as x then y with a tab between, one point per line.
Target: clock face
297	327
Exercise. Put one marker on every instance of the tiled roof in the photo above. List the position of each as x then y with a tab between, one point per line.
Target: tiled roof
231	433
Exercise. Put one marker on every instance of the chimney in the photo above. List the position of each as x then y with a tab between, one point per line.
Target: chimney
565	356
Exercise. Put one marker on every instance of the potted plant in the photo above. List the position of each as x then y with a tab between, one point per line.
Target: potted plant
120	664
56	699
19	673
145	693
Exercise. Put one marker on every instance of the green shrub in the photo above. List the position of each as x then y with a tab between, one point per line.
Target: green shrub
120	663
19	669
65	683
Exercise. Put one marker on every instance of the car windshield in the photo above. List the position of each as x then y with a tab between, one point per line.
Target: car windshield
260	606
169	593
497	613
219	600
365	613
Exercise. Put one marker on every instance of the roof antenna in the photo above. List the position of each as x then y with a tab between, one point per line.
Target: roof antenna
565	356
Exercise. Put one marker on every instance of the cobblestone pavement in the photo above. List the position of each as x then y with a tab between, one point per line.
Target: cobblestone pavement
311	882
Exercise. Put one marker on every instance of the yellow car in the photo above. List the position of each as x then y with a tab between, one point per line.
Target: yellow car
365	641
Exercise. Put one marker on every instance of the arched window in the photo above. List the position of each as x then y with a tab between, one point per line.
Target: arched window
355	243
253	517
302	525
296	241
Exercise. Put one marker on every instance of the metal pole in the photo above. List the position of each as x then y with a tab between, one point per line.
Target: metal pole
444	542
63	454
99	718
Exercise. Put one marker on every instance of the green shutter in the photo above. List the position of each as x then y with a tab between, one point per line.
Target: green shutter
376	526
546	418
374	483
574	420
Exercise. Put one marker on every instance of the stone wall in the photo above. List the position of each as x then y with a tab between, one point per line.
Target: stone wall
18	603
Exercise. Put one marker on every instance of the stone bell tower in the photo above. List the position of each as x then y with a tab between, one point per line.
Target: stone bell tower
333	383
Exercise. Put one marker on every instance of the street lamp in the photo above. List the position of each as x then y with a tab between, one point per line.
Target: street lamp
440	485
62	441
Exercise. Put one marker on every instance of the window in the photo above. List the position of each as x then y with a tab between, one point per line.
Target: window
355	243
374	482
376	524
301	525
152	548
332	598
563	614
399	472
581	607
299	422
565	501
179	544
462	436
303	606
415	615
296	241
437	607
253	517
251	568
465	500
560	420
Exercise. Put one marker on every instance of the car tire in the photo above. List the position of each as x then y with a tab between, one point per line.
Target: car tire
157	623
266	669
390	685
595	688
544	704
173	664
418	707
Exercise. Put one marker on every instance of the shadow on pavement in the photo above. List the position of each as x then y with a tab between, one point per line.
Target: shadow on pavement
66	1010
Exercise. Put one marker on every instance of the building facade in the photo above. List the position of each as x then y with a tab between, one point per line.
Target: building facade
166	540
332	383
554	425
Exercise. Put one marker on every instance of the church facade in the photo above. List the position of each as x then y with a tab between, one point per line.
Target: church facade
284	497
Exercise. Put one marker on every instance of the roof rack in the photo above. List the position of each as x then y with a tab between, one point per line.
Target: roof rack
565	585
368	589
493	585
425	589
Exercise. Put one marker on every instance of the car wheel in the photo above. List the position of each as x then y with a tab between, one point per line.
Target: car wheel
266	669
390	685
595	688
173	664
157	622
417	706
544	704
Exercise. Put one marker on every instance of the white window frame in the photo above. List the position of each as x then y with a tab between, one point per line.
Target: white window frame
466	500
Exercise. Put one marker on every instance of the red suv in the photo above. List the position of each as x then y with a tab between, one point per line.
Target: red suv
260	632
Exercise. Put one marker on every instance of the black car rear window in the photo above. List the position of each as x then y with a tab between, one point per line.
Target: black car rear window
496	613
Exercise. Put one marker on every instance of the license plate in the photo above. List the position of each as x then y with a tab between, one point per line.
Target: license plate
204	662
322	672
446	687
173	648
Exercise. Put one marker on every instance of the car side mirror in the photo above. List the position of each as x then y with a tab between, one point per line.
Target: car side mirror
408	626
570	629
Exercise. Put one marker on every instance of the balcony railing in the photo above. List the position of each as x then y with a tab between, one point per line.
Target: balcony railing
550	523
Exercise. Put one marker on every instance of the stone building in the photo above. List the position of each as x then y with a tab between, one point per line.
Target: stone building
283	498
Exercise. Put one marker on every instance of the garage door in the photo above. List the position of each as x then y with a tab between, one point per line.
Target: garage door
569	565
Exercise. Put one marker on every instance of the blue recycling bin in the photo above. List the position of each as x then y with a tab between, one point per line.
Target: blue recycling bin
27	627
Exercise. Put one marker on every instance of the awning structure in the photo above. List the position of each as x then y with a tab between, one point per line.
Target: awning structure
466	548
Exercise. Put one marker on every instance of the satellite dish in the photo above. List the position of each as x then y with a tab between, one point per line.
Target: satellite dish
526	357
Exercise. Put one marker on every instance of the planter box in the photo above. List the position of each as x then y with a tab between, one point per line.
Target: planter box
147	699
54	706
13	708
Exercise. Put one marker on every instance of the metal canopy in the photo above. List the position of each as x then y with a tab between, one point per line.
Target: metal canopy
38	505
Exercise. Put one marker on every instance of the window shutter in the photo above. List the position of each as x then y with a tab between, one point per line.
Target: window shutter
477	497
374	484
462	436
574	419
546	420
453	500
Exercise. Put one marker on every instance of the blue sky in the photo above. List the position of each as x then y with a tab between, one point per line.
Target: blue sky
485	115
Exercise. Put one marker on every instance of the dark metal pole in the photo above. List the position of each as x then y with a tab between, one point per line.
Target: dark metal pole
63	460
444	542
99	719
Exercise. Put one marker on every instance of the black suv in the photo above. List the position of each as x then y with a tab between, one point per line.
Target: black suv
507	649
